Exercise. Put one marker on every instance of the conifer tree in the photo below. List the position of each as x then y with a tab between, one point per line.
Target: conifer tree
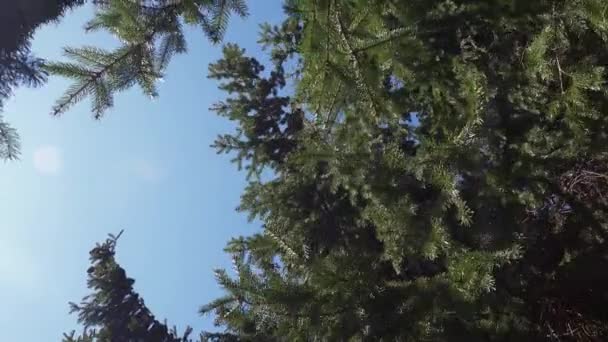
439	173
448	182
114	312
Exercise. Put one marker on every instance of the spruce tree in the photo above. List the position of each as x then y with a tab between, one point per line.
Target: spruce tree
448	182
438	173
114	312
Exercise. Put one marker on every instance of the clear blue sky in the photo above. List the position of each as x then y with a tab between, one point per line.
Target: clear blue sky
146	167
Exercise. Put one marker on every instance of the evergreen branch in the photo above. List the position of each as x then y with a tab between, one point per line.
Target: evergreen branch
283	245
331	119
219	20
64	104
396	33
356	64
76	92
95	77
103	20
9	141
560	73
85	55
103	99
172	43
239	7
172	4
358	20
69	70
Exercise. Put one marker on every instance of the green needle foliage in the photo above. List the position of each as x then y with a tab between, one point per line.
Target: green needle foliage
150	33
446	182
18	21
439	172
9	141
115	313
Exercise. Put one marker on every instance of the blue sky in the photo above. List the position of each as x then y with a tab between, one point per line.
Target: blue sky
146	167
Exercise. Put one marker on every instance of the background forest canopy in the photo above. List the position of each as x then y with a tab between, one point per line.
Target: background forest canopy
439	169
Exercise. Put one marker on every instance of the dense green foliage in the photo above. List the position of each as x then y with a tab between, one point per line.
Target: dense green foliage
439	173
